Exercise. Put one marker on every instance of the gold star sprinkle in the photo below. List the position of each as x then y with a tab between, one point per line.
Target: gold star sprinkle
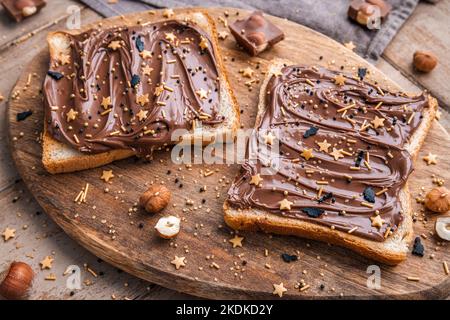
337	154
339	80
46	263
114	45
256	180
430	158
377	222
8	234
142	99
247	72
203	43
106	102
107	175
268	138
236	241
147	71
171	37
178	262
279	289
378	122
223	35
202	93
307	154
142	115
64	59
350	45
285	204
145	54
167	13
71	115
158	90
324	145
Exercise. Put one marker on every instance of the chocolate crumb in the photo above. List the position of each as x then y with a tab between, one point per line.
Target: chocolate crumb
289	258
418	248
55	75
369	195
313	212
310	132
23	115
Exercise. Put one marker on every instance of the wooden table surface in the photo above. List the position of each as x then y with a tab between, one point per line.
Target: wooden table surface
37	236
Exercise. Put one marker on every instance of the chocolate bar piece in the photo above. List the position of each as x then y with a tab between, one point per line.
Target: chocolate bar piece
255	33
365	11
21	9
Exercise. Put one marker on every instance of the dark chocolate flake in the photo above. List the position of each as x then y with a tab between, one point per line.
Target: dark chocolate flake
55	75
359	158
135	79
369	195
310	132
362	73
139	44
288	257
325	197
23	115
418	248
313	212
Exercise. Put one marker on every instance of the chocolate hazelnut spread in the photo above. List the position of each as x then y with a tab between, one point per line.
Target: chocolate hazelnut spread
130	87
342	161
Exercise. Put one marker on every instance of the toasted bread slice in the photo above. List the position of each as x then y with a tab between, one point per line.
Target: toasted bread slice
392	251
58	157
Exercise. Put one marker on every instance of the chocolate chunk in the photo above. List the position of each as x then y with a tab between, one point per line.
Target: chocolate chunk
369	195
55	75
325	197
362	73
255	33
418	248
366	12
21	9
135	79
139	44
313	212
23	115
289	258
359	158
310	132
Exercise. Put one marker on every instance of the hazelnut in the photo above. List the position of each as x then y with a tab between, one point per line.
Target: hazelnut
443	228
155	198
16	281
258	38
424	61
27	7
438	200
256	21
168	227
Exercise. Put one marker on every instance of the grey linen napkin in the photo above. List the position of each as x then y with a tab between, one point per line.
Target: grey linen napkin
326	16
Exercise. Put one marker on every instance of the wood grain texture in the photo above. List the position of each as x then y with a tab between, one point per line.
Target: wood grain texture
140	252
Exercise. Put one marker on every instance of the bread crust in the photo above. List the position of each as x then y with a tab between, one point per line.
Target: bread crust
391	252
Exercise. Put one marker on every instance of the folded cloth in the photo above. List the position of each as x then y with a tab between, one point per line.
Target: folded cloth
326	16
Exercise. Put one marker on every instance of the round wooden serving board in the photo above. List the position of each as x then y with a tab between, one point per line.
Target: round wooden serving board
242	272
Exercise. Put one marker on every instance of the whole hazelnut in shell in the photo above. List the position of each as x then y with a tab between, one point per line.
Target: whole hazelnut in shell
155	198
438	200
424	61
16	281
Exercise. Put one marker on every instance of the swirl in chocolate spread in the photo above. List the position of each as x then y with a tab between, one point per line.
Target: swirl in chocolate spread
342	161
130	87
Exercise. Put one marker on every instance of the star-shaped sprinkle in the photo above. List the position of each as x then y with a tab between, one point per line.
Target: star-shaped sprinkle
378	122
106	102
430	158
203	43
222	35
350	45
8	234
339	80
377	222
145	54
142	115
142	99
114	45
285	204
64	59
256	179
46	263
147	71
324	145
158	90
247	72
236	241
307	154
178	262
202	93
107	175
268	138
337	154
71	115
167	13
279	289
171	37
